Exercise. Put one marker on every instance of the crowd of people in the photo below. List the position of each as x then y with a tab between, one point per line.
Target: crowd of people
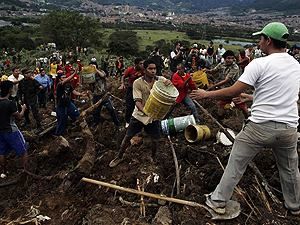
269	71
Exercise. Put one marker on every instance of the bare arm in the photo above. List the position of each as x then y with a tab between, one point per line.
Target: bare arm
139	105
77	93
222	82
231	91
19	115
69	78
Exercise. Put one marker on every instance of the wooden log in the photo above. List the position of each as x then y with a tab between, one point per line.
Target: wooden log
93	107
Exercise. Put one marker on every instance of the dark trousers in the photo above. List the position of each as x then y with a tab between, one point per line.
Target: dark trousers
62	113
136	126
42	97
35	113
109	106
130	104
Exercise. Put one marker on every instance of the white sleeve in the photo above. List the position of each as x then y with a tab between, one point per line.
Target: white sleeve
251	74
173	54
11	78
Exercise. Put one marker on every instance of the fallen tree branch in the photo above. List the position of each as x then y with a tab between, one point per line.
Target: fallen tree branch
135	204
47	130
93	107
264	182
86	163
263	196
60	175
176	166
240	192
115	97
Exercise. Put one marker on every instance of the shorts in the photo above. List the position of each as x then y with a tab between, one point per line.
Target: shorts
12	141
136	126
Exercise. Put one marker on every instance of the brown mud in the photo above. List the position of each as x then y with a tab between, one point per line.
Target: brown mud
42	193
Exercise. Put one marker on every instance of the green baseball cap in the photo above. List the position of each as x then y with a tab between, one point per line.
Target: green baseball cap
275	30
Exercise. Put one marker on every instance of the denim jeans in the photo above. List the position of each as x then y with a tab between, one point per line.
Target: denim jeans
62	113
188	102
250	141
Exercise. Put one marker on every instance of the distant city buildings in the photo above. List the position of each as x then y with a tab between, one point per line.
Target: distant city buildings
134	14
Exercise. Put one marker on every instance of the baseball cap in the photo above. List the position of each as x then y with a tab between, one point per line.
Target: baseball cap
275	30
195	46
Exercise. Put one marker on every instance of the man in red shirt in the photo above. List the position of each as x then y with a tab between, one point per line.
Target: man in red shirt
183	82
131	73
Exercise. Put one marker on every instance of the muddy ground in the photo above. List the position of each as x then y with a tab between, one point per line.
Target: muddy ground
43	190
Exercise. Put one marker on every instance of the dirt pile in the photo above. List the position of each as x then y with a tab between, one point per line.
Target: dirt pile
52	187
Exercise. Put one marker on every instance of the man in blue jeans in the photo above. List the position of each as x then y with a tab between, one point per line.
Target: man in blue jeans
65	107
10	136
273	121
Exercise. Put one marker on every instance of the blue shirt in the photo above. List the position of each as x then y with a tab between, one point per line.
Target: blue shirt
45	81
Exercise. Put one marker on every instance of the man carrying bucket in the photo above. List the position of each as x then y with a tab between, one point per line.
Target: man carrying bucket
273	121
139	120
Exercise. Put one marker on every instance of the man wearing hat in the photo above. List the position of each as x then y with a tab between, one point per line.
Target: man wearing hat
273	121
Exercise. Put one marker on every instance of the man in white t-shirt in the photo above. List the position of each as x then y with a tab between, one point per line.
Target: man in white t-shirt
220	51
16	77
273	121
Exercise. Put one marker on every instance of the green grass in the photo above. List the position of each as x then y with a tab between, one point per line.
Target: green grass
148	37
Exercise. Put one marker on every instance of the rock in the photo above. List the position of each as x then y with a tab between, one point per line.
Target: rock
163	216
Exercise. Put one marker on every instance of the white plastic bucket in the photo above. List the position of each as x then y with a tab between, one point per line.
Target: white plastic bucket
177	124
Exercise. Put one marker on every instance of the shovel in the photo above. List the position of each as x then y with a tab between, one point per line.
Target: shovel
232	207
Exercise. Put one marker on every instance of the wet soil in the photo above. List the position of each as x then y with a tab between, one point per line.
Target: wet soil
41	193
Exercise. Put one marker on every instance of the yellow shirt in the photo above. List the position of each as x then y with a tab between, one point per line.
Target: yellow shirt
53	69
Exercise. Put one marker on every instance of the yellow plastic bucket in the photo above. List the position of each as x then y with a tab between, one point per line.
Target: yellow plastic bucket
88	74
194	133
200	78
160	100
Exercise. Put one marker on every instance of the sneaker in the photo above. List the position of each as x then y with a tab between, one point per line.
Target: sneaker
116	161
217	206
126	125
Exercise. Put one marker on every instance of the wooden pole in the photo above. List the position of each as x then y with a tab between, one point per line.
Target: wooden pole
147	194
223	129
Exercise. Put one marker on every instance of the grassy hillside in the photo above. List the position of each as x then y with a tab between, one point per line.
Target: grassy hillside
148	37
